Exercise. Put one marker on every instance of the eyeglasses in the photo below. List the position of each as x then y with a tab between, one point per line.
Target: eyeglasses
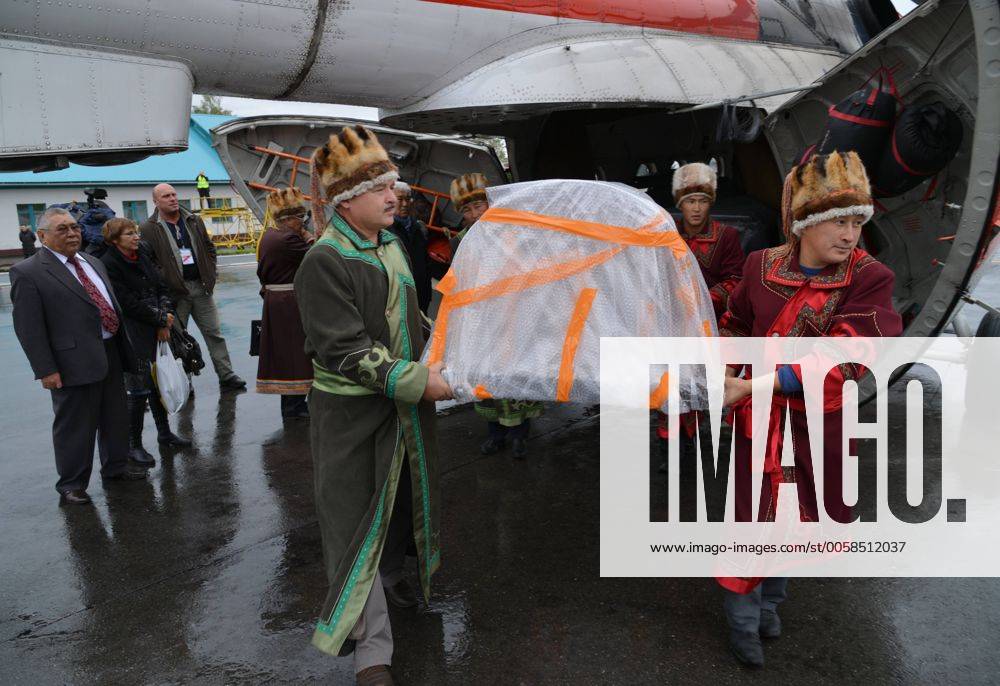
66	228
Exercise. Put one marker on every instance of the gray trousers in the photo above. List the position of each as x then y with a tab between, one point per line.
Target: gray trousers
743	609
83	414
200	304
373	632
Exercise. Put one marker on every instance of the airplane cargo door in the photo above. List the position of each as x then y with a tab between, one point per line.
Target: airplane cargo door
931	236
263	153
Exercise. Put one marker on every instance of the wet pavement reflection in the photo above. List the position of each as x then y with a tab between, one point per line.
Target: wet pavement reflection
211	572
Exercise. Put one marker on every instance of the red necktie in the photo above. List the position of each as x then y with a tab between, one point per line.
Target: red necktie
109	320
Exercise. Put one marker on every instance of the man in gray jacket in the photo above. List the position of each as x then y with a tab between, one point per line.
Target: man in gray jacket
68	321
186	256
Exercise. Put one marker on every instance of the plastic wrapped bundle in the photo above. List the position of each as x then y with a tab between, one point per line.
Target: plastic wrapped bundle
548	270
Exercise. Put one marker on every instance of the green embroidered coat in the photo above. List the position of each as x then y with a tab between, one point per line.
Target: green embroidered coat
508	412
364	333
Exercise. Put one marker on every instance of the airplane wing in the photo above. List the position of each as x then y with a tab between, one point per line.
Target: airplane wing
112	82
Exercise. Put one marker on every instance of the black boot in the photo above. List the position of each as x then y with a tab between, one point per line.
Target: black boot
163	434
519	439
497	440
747	648
294	406
136	412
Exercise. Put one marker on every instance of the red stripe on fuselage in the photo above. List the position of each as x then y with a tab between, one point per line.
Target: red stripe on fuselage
727	18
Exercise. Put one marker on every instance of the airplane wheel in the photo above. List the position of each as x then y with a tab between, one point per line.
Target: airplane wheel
989	327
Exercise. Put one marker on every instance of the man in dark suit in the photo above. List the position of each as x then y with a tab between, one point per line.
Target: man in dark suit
68	321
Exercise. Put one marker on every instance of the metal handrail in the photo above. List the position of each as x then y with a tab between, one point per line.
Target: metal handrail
297	159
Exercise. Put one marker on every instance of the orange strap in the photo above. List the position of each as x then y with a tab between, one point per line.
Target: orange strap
512	284
572	342
622	235
445	287
536	277
659	394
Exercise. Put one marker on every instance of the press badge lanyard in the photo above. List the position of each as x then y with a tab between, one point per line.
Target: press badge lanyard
187	257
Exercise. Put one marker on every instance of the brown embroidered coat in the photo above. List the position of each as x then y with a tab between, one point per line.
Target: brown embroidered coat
720	256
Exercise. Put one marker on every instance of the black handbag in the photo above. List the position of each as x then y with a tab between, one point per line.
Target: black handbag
186	349
255	326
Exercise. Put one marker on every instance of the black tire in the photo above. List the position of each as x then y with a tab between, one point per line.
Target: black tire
989	327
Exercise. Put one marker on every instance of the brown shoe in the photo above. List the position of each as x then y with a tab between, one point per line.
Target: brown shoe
75	497
379	675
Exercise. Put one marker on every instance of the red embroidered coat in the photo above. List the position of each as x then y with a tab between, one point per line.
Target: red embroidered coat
721	258
853	298
774	298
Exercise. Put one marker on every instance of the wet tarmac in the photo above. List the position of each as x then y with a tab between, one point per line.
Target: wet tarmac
211	572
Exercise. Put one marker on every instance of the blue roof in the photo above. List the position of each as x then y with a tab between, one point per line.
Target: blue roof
176	168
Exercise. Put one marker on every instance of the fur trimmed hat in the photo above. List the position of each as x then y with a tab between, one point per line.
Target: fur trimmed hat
285	201
696	178
351	163
468	188
826	187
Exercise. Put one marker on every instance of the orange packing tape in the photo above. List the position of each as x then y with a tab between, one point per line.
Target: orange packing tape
608	233
526	280
447	283
643	236
687	298
445	286
480	392
659	394
440	333
572	342
513	284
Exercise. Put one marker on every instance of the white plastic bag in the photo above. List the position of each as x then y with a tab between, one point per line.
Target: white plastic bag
171	381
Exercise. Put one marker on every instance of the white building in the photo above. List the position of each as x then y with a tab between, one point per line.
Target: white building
25	195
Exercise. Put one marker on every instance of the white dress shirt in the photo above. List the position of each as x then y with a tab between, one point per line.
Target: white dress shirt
92	275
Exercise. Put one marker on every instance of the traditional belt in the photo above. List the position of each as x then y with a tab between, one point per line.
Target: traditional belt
337	384
280	287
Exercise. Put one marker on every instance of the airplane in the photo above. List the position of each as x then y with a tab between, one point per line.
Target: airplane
616	90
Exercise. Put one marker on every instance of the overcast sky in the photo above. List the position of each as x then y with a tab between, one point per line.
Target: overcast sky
247	107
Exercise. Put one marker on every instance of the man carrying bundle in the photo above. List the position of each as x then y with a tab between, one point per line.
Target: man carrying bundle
819	283
371	403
